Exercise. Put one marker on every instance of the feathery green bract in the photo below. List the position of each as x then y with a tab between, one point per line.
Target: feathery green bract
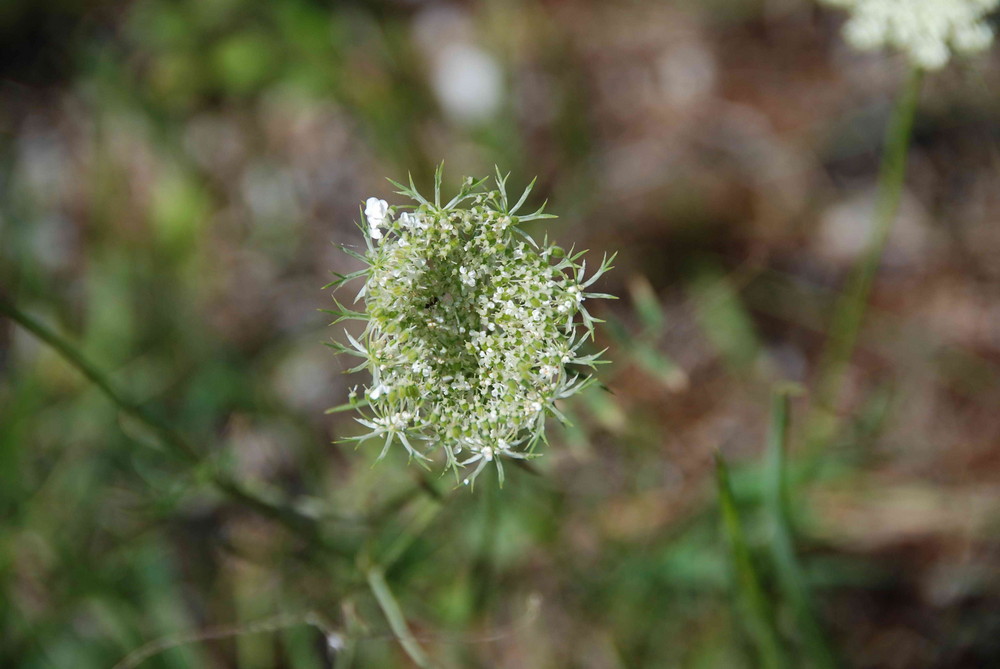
473	328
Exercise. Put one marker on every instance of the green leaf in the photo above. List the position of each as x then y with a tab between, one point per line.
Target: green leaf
647	357
723	317
390	608
647	305
787	567
756	608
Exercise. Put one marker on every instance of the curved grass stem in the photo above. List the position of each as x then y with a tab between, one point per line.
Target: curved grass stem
790	574
390	608
176	444
755	605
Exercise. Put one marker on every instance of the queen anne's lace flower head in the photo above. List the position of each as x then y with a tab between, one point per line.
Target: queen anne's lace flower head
473	329
928	31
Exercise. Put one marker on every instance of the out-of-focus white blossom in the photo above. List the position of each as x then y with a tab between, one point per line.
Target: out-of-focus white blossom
928	31
468	82
473	329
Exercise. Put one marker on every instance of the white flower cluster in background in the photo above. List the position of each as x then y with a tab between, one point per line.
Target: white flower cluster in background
928	31
473	329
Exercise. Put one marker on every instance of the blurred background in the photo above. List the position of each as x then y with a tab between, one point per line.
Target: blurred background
176	177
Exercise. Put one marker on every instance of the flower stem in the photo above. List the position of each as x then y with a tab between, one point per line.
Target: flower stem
177	445
850	309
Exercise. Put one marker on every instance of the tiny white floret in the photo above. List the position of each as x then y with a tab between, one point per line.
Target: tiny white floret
376	211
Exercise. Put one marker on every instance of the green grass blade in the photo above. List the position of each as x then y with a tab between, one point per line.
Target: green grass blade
427	511
724	318
175	443
647	305
787	567
390	608
647	356
757	608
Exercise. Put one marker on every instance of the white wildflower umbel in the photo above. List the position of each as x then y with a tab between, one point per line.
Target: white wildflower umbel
473	329
928	31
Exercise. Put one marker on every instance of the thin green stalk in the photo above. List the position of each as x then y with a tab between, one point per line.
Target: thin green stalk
177	445
390	608
757	609
483	567
787	567
850	309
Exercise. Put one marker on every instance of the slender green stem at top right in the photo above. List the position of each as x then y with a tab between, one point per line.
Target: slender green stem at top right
850	309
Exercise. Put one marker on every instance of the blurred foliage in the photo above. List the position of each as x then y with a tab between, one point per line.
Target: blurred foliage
174	176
